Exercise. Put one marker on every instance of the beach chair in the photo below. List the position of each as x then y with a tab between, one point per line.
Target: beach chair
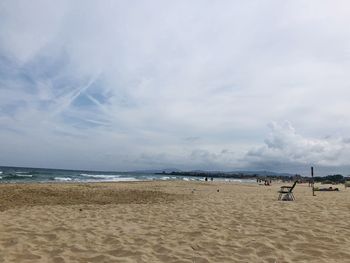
286	193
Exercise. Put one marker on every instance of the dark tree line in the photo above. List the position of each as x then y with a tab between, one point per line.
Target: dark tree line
336	178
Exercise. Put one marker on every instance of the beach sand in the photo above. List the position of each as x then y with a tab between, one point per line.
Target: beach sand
171	221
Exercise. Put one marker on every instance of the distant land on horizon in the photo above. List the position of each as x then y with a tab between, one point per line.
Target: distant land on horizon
227	173
167	171
178	171
238	174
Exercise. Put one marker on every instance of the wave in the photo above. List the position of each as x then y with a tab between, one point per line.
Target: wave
190	179
0	172
102	176
24	175
125	179
63	179
165	178
15	176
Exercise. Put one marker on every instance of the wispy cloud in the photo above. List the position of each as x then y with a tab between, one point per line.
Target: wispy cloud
188	84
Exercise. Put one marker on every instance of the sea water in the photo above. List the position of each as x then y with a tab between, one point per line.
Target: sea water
20	174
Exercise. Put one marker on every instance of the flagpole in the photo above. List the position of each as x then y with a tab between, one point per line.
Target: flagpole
313	182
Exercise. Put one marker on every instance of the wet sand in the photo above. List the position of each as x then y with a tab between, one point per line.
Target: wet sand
171	222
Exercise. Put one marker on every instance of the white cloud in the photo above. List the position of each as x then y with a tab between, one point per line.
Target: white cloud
134	79
285	147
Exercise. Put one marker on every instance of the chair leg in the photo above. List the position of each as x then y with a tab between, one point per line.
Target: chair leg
293	197
289	197
286	196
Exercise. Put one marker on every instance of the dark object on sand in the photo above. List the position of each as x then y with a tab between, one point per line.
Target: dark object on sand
329	189
286	193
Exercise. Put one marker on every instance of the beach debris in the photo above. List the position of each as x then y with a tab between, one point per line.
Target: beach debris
218	190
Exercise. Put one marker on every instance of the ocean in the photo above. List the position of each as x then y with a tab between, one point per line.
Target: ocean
41	175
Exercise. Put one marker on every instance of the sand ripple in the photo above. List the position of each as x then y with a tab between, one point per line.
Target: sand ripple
172	222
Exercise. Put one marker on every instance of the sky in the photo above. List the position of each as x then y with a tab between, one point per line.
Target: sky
212	85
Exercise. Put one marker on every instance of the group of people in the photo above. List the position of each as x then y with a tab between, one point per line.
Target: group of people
266	182
211	179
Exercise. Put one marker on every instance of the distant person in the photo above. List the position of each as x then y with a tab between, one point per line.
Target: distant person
211	179
206	179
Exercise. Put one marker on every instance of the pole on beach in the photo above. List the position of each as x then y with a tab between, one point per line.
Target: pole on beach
313	182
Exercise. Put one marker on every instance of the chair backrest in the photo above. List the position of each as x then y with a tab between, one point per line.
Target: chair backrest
291	189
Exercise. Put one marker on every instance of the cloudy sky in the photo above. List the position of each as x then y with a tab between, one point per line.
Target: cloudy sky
215	85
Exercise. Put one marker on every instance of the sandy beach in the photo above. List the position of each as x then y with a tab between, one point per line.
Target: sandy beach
171	221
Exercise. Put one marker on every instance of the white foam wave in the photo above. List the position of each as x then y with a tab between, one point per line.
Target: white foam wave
102	176
192	179
0	177
123	179
0	172
24	175
166	178
21	172
63	179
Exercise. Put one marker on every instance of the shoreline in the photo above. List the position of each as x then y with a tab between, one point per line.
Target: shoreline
218	180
